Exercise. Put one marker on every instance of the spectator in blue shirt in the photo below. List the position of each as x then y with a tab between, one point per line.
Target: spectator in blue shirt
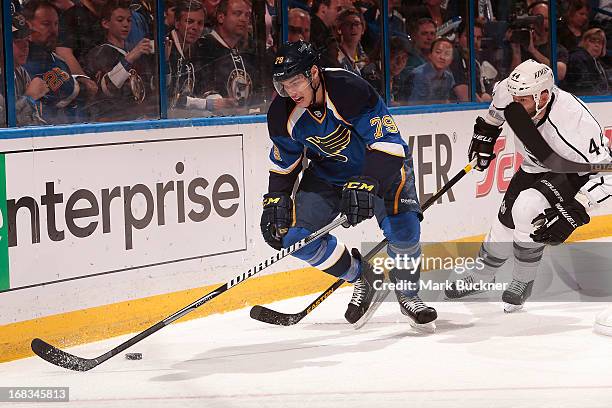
432	82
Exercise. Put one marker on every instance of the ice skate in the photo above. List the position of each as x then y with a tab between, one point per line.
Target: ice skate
514	297
421	316
466	286
365	298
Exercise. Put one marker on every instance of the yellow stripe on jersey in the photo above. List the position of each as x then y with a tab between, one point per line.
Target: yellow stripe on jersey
398	192
279	170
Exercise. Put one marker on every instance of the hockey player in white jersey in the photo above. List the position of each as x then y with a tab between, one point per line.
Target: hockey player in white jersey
540	207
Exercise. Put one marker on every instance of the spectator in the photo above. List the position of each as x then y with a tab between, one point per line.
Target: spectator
302	4
269	17
431	9
80	32
603	20
299	25
460	67
229	69
186	45
60	104
372	16
399	51
351	27
397	22
27	91
125	79
432	82
323	17
169	15
585	73
142	23
539	48
423	35
15	6
62	6
210	7
574	23
603	12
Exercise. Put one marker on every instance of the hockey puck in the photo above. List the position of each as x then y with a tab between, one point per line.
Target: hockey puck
133	356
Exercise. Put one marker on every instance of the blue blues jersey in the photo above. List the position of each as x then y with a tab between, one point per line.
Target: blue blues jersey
352	134
59	104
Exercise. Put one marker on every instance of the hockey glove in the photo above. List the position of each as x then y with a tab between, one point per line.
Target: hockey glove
276	218
357	201
557	223
483	142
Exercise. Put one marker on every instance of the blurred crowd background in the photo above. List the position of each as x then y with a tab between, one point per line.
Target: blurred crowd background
79	61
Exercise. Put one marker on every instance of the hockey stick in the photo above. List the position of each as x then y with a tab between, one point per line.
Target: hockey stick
527	132
66	360
267	315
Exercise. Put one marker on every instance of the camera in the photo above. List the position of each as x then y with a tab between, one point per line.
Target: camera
521	29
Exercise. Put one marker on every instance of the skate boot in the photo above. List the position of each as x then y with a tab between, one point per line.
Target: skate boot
467	286
514	297
422	317
365	298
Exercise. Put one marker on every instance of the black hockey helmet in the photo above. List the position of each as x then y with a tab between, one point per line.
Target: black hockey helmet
293	58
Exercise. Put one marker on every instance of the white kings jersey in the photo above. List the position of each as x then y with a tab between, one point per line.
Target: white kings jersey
570	130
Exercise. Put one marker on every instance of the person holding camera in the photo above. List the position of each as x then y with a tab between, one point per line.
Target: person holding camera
532	42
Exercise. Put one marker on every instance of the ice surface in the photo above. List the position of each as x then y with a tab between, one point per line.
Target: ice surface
544	356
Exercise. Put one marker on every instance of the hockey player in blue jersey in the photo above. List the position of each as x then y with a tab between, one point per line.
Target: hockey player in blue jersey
358	166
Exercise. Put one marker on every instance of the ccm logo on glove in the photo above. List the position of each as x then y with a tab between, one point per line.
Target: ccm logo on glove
357	185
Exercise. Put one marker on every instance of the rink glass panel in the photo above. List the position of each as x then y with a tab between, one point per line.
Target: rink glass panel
83	49
224	77
252	94
421	81
589	56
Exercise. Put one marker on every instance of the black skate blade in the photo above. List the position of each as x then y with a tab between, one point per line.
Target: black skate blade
378	298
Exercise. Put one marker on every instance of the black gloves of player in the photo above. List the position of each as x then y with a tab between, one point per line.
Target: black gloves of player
556	224
483	141
276	218
357	201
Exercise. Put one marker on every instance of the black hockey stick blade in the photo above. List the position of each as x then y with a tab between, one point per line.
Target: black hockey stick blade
535	145
69	361
60	358
263	314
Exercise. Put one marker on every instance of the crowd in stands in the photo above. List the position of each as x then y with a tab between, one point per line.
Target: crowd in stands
97	60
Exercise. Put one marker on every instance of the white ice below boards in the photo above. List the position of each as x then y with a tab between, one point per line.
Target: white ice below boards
545	356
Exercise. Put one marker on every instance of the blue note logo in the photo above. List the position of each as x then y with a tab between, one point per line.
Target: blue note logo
333	144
